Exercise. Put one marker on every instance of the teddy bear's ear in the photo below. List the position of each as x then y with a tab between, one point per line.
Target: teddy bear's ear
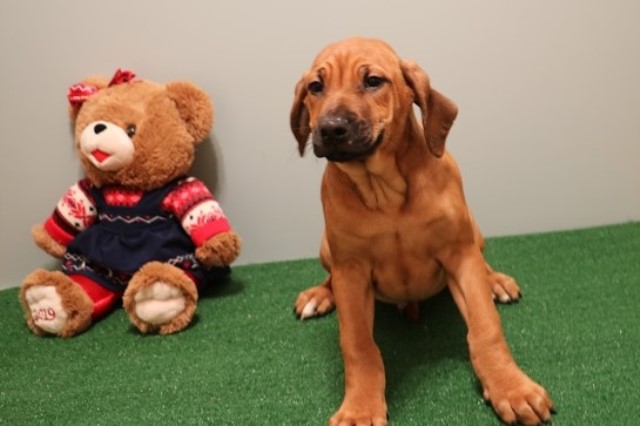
195	108
97	82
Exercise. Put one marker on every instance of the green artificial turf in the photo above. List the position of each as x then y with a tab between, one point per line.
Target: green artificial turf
247	361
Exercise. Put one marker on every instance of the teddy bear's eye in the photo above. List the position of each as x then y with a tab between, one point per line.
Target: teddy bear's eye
131	130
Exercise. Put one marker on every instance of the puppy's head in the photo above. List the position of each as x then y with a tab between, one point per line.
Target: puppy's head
357	96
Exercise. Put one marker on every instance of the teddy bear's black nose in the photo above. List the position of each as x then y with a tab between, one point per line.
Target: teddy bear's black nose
99	128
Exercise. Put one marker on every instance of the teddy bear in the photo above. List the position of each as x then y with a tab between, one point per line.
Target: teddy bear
137	230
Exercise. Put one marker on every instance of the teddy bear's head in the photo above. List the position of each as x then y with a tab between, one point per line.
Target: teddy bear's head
138	133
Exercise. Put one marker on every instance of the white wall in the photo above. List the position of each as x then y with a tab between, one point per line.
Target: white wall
549	93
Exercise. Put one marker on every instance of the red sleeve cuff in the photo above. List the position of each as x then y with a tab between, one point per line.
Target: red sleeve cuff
202	233
57	233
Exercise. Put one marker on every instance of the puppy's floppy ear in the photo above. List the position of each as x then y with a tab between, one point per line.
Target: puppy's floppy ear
299	116
438	112
194	106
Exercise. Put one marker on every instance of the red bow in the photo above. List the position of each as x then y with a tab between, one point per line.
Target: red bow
80	92
122	76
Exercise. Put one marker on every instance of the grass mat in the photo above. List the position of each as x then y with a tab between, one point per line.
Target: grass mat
247	361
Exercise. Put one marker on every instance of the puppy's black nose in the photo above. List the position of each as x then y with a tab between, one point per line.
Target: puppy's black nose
98	128
334	129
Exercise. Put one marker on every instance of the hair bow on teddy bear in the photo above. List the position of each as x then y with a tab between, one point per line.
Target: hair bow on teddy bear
137	228
80	92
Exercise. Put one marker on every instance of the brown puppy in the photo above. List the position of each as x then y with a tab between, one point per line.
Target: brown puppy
397	227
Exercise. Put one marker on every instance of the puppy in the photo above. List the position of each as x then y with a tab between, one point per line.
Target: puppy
397	227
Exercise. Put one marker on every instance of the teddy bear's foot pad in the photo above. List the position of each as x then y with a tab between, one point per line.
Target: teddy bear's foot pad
46	308
159	303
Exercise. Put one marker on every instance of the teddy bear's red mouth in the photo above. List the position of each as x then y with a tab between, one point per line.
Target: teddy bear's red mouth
99	155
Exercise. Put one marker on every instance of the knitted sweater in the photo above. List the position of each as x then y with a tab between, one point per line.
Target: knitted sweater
190	202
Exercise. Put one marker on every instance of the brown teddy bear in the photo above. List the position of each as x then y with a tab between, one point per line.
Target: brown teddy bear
137	228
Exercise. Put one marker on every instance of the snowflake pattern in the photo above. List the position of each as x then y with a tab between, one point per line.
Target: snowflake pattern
193	204
76	208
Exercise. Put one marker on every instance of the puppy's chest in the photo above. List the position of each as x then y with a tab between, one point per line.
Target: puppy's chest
403	267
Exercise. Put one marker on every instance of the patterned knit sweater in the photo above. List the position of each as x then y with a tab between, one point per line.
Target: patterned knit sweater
190	202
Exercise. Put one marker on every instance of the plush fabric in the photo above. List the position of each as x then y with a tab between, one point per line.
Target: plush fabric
135	207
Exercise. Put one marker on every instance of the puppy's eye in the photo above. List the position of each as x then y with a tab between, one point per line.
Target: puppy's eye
315	87
131	130
373	81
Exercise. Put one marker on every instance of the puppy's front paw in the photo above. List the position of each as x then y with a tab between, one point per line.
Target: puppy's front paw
503	287
364	412
517	398
314	302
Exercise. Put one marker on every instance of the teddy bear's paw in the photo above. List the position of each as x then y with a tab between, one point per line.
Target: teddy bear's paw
220	250
159	303
45	305
160	298
46	243
54	304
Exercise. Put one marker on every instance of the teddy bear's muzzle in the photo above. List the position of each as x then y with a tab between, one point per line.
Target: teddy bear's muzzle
106	145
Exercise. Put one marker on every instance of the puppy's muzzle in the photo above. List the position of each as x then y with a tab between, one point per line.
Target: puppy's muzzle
343	137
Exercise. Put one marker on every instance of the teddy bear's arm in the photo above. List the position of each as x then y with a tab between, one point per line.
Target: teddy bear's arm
74	213
203	219
197	210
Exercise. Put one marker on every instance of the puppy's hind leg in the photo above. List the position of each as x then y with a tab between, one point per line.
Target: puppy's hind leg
315	301
504	288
